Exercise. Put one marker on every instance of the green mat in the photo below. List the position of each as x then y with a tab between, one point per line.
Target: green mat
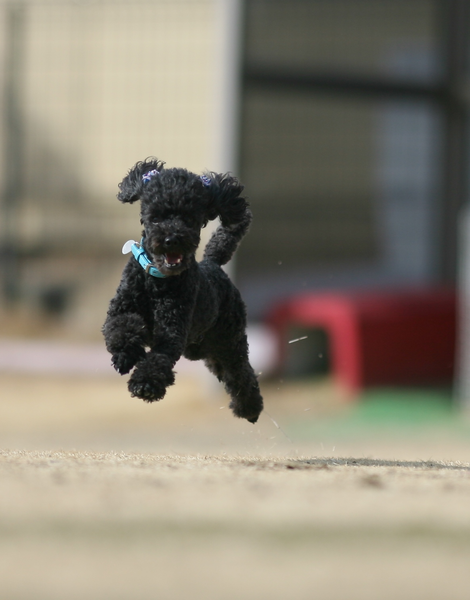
391	411
405	406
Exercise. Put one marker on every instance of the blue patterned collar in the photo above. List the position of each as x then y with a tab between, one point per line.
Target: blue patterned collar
141	257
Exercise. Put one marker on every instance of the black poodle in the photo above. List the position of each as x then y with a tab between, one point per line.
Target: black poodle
167	304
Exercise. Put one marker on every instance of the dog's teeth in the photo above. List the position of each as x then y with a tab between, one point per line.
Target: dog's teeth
173	260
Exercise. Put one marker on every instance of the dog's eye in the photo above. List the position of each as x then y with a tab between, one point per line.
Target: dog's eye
155	222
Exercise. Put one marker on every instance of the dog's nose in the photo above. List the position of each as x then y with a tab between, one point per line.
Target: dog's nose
171	241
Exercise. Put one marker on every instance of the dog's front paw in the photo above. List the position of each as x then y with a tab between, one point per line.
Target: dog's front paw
150	380
124	361
150	392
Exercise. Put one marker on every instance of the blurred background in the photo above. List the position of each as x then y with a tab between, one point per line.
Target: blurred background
347	120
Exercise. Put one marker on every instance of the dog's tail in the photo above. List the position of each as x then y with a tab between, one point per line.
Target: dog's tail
234	213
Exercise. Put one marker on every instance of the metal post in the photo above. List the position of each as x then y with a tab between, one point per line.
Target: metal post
227	94
227	80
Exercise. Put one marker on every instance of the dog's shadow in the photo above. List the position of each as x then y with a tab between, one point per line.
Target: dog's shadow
326	463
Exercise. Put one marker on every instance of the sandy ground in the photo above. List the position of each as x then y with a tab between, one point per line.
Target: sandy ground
105	497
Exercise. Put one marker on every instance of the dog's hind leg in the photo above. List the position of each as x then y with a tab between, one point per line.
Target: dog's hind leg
233	369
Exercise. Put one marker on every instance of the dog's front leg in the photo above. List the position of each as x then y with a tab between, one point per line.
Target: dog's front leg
124	330
125	340
154	373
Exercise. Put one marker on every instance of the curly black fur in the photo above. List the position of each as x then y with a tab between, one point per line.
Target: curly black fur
195	311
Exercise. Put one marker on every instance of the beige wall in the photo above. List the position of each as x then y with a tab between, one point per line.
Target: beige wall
108	83
104	84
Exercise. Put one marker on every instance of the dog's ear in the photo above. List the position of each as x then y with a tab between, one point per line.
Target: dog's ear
227	203
226	200
131	187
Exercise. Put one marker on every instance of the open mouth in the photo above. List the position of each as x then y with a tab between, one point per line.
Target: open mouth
172	260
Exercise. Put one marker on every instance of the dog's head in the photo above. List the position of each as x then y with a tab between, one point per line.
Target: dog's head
175	205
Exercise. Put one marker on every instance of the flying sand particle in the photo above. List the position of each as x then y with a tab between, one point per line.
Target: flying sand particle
278	426
298	339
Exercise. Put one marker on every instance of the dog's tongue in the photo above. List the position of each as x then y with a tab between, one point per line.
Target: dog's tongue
173	258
